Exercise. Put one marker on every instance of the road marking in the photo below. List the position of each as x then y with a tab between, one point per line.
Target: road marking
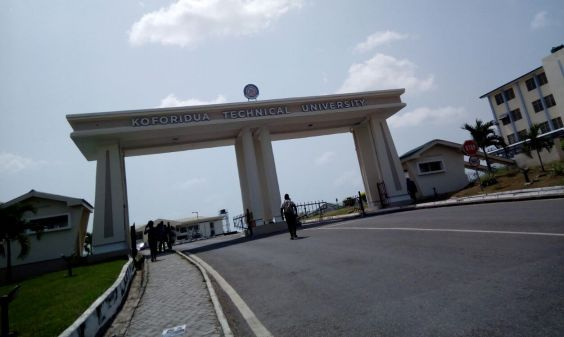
441	230
255	325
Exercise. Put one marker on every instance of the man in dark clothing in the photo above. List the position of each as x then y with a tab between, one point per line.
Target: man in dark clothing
289	211
411	189
151	232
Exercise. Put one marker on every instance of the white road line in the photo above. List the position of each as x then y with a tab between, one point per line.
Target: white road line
441	230
255	325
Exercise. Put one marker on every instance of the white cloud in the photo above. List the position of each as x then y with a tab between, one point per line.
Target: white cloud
426	115
349	178
190	183
171	101
13	163
540	20
187	22
325	158
378	39
385	72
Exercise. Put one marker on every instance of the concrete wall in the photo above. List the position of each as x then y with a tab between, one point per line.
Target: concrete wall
453	178
555	154
54	242
100	313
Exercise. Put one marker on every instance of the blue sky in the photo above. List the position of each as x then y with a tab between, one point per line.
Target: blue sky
66	57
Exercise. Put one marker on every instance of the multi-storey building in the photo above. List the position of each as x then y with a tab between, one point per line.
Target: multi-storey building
536	97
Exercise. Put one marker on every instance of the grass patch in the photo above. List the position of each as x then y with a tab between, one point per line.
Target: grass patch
46	305
511	178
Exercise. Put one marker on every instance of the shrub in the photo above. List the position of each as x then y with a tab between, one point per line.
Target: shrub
558	169
488	180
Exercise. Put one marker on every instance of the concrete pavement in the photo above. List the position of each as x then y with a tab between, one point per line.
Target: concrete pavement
175	294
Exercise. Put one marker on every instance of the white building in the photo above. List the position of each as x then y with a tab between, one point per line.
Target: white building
190	228
64	219
536	97
436	167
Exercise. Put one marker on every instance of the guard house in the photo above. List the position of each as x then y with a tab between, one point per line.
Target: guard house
64	220
250	127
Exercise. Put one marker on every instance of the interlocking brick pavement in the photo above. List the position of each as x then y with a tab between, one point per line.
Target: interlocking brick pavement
176	294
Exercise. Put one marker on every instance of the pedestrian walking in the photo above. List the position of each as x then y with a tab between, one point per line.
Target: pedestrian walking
151	232
250	223
289	212
170	236
411	189
161	233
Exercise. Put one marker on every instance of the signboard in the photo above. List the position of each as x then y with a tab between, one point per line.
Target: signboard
251	91
474	161
470	147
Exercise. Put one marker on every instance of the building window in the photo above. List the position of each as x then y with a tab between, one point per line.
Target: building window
557	123
509	94
542	79
537	105
211	225
505	120
51	223
516	114
431	167
531	83
544	127
549	101
498	99
522	134
511	139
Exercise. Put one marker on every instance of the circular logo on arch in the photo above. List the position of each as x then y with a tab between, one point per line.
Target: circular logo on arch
251	91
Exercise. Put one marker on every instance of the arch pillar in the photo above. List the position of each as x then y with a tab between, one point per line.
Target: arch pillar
111	217
379	162
249	174
267	174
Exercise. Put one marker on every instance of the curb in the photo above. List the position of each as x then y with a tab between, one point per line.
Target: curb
216	305
104	308
494	199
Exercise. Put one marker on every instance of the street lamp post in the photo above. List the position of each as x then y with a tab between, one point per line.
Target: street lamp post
196	214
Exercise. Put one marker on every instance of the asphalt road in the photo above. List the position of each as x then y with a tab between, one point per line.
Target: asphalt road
368	277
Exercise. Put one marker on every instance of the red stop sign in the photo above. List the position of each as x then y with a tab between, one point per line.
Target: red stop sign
470	147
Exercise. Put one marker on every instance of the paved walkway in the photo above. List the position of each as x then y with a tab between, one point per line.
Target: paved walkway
176	294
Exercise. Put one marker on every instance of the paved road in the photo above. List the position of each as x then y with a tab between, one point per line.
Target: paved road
356	278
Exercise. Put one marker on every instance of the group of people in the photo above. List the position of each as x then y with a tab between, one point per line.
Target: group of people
160	237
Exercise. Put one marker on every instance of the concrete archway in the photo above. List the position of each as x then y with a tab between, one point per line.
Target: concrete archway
108	137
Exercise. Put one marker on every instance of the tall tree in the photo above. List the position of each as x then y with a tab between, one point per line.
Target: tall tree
485	136
13	227
535	143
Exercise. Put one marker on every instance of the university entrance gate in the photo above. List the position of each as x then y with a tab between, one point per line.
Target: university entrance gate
108	137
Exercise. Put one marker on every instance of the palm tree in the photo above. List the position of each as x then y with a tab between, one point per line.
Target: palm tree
484	136
13	228
534	142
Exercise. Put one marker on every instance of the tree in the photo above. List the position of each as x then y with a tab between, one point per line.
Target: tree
484	136
88	243
536	143
13	227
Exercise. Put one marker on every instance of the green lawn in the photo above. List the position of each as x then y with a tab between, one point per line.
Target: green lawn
48	304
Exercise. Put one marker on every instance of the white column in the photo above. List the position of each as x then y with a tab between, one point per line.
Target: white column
250	184
368	163
392	172
268	177
111	224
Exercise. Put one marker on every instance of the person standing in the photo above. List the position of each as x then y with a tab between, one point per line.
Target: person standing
250	223
151	232
289	212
